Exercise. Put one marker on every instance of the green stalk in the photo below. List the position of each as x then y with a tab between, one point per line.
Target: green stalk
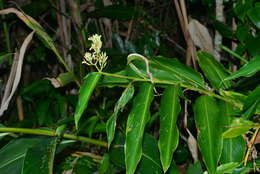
203	91
233	53
52	134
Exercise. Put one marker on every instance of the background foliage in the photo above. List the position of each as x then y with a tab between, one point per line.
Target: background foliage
164	103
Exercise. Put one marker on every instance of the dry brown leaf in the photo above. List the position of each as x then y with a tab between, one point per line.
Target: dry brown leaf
200	36
192	144
15	74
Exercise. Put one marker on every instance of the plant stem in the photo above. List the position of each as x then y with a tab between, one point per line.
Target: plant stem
233	53
249	149
52	133
193	88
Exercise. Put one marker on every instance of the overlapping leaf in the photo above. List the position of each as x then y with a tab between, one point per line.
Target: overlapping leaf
213	70
86	91
25	155
136	122
208	123
34	25
233	148
247	70
164	69
111	123
169	133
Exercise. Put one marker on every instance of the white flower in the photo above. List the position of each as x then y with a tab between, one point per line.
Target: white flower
97	58
96	43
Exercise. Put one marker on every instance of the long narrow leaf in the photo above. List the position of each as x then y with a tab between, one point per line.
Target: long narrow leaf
86	91
111	123
213	70
210	140
34	25
40	156
169	133
15	74
136	122
164	69
233	148
247	70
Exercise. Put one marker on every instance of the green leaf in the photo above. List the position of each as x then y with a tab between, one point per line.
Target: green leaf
4	57
226	168
104	166
34	25
233	148
13	154
182	71
241	8
247	70
238	127
40	157
223	29
115	81
174	169
150	162
251	103
138	67
111	123
208	123
254	16
85	92
161	68
213	70
195	168
136	122
169	133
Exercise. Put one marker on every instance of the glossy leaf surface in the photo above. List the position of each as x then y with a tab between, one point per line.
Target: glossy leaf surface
169	133
247	70
208	123
238	127
136	122
150	162
213	70
41	157
86	91
14	154
164	69
111	123
233	148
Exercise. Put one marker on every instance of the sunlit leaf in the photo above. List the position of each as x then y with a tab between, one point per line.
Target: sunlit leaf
111	123
233	148
164	69
169	133
238	127
247	70
213	70
208	123
85	93
136	122
226	168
